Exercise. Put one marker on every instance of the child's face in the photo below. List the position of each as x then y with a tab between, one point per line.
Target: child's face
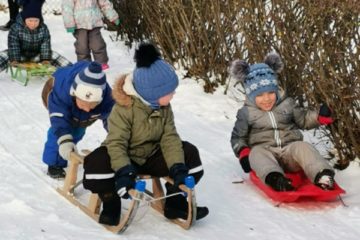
265	101
32	23
165	100
84	105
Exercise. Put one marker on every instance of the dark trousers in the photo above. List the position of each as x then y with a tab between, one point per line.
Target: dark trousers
99	177
13	9
90	41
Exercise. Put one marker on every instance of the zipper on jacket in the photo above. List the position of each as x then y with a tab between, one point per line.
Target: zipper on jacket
275	127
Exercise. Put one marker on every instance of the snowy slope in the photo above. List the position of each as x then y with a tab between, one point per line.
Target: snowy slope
30	208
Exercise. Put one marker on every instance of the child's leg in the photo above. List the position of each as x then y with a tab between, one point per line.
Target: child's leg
81	44
306	156
157	167
176	206
99	178
263	162
98	46
51	154
4	59
58	60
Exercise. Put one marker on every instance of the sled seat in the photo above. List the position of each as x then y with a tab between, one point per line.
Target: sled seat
22	72
155	198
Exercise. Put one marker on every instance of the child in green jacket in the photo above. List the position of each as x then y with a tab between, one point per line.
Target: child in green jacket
142	139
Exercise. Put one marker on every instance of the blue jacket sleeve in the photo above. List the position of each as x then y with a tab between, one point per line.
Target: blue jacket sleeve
60	115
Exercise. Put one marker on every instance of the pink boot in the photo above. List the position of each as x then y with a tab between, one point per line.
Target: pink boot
104	66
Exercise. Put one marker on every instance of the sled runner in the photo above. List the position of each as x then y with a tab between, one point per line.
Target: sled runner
155	198
305	189
24	71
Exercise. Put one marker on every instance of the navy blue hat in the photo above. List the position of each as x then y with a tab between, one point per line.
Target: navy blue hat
153	77
32	9
90	83
260	77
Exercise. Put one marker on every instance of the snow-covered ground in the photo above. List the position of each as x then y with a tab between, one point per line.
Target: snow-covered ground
30	207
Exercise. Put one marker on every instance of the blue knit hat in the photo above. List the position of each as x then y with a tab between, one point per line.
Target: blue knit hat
260	77
153	77
32	9
90	83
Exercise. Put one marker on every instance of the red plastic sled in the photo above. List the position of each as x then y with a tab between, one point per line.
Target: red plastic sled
305	190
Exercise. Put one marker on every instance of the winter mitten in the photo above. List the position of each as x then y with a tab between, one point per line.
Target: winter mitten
125	180
324	117
178	172
117	22
70	30
279	182
66	146
244	159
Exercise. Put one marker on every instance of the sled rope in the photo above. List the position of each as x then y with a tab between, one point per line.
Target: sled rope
151	199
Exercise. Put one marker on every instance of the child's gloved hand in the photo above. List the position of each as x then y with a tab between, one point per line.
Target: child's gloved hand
325	113
244	159
178	172
66	146
125	180
117	22
70	30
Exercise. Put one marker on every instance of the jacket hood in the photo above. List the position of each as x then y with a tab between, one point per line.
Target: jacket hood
124	92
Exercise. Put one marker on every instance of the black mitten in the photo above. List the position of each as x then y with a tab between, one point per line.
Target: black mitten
125	180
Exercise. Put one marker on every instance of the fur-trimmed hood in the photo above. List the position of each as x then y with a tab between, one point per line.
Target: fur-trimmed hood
124	92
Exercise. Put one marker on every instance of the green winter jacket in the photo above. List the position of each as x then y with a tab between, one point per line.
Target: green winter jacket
136	131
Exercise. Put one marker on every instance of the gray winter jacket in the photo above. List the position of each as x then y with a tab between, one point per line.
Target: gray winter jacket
275	128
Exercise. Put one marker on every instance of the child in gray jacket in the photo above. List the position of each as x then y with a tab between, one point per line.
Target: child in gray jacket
267	138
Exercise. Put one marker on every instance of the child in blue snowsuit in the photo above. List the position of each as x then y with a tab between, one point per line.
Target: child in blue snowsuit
80	95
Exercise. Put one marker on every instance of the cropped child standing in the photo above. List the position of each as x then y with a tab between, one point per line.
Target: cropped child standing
267	138
83	18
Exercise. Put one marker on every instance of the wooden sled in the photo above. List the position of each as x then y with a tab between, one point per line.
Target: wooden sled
24	71
154	198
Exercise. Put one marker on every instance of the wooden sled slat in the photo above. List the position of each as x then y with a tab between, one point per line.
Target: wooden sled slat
158	192
93	207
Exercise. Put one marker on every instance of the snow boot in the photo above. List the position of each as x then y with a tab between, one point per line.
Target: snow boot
279	182
325	179
177	206
110	214
56	172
